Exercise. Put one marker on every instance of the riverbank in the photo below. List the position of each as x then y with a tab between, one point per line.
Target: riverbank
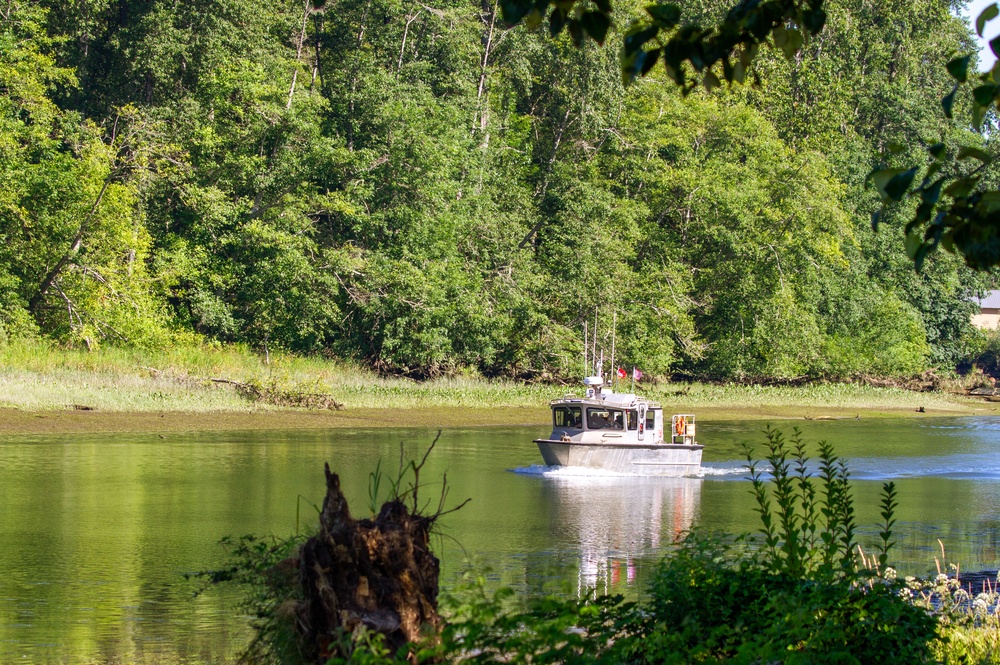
47	389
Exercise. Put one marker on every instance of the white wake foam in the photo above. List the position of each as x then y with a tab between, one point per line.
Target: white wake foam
566	471
723	471
583	472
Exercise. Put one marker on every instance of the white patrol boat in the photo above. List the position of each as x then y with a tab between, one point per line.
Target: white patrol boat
619	432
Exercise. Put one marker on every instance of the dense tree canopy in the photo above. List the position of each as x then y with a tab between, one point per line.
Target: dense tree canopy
419	187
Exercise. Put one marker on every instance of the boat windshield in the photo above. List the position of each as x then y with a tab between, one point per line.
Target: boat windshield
568	416
599	418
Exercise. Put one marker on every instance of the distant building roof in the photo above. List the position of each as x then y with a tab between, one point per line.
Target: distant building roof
991	301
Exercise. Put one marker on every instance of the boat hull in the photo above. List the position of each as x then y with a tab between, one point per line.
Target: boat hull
638	459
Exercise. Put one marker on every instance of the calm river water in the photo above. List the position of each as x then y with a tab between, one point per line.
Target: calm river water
96	532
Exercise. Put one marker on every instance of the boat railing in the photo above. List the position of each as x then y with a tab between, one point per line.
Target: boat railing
682	429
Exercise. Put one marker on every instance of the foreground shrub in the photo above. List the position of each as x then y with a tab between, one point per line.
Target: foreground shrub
710	605
798	592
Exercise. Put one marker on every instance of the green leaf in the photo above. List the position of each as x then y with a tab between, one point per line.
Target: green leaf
959	68
739	72
634	65
948	242
557	20
789	40
912	242
932	193
575	31
894	147
533	18
636	37
984	94
893	183
949	101
649	61
876	217
814	20
918	260
514	11
937	151
596	25
961	188
989	202
985	17
968	151
675	74
665	16
711	81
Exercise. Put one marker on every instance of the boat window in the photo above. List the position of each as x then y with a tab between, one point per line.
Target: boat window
633	419
598	418
650	420
568	416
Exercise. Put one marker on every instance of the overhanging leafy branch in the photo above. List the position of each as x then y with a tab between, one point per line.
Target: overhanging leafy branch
955	208
661	36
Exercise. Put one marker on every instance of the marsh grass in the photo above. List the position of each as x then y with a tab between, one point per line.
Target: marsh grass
38	376
836	396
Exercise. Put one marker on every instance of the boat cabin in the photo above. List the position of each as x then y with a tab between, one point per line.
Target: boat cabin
575	416
603	414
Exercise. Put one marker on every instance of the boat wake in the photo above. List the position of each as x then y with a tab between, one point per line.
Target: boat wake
566	471
723	471
585	472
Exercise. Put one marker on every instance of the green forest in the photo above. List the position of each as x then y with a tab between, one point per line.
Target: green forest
419	188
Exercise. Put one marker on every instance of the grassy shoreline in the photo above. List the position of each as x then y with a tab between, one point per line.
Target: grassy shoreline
50	389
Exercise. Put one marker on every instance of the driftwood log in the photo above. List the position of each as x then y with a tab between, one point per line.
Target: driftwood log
278	397
378	573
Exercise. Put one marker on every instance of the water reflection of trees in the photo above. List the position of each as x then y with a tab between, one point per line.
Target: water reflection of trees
619	522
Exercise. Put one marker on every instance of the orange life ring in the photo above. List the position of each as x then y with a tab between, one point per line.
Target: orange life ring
681	424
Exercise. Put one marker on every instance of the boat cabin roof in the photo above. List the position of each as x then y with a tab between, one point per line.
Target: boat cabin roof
606	399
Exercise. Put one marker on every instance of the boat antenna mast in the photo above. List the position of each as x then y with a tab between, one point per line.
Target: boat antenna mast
614	368
597	370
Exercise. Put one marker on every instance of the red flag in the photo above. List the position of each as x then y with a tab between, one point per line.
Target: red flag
621	373
636	374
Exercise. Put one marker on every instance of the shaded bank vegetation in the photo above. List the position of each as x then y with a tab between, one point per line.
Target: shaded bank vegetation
800	590
419	189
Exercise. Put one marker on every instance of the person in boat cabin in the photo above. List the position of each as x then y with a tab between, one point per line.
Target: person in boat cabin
596	420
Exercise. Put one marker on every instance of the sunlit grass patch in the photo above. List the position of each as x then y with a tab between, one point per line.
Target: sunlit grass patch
37	376
819	395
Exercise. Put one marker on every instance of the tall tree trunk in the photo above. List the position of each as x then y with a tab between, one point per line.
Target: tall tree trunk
489	22
73	250
544	185
298	54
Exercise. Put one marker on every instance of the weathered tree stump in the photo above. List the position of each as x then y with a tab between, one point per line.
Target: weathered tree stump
375	573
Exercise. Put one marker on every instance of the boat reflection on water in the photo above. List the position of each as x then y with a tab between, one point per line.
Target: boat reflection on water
620	521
